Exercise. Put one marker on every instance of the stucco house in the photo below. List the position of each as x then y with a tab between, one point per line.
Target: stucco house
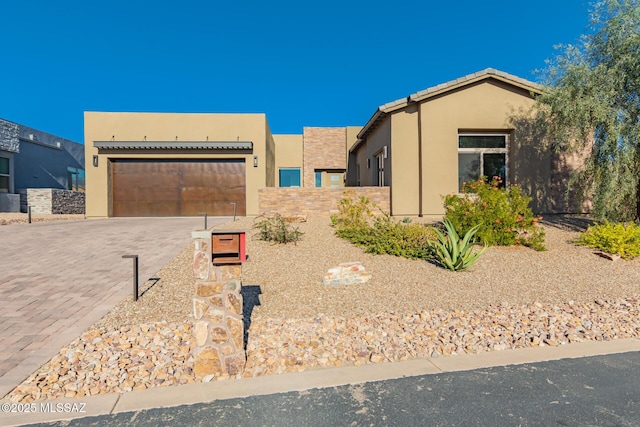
33	159
418	148
166	164
427	144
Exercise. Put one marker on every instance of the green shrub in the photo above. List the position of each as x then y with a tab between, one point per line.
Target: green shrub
354	218
356	223
276	229
614	238
353	212
387	236
451	252
502	215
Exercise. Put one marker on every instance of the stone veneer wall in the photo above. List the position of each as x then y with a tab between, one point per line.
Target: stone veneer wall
323	148
54	201
9	136
315	202
217	308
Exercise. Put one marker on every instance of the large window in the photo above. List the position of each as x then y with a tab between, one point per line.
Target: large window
289	177
482	155
75	179
4	175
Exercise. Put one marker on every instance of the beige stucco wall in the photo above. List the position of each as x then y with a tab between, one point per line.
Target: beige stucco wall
288	154
377	139
404	161
434	123
360	160
103	126
270	167
486	106
352	136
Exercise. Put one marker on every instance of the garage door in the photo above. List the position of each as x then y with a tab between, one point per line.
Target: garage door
178	188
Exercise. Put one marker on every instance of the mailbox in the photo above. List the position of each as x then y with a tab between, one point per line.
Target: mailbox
228	246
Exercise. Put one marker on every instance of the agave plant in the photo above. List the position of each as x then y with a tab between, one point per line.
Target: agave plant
451	252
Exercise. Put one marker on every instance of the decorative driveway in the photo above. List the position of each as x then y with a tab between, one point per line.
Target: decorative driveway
58	278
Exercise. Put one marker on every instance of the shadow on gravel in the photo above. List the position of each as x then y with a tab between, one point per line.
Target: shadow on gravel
250	298
568	222
148	285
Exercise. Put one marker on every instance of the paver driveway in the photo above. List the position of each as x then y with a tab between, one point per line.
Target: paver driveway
58	278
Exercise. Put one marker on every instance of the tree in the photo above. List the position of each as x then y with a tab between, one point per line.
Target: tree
592	96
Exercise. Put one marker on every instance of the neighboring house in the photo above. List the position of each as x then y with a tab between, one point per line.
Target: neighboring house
428	144
422	147
30	158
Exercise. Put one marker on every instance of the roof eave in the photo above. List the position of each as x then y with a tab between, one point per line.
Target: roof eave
381	113
533	88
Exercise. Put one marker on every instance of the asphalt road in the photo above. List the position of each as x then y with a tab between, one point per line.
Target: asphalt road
590	391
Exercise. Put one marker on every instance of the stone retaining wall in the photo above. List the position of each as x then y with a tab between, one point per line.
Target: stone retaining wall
52	201
9	136
315	202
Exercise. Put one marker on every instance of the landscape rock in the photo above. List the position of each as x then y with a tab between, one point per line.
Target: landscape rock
346	273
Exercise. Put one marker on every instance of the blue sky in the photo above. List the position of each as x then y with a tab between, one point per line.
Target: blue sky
328	63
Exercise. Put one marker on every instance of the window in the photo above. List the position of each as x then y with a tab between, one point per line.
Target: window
336	180
482	155
75	179
318	179
289	177
4	175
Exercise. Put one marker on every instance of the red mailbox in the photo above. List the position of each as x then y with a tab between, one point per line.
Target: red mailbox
228	246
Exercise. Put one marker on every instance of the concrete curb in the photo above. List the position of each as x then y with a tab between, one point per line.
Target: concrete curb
162	397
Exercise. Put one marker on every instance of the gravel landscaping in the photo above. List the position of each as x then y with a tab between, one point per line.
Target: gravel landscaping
513	297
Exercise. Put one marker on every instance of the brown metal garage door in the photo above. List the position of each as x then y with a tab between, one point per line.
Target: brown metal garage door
177	187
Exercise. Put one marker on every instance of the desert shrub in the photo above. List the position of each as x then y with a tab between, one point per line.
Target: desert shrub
354	218
276	229
614	238
502	215
407	240
450	252
356	223
353	212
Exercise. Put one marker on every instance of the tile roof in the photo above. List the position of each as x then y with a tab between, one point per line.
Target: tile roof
475	76
389	107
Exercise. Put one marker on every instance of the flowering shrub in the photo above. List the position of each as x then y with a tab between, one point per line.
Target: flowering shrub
502	215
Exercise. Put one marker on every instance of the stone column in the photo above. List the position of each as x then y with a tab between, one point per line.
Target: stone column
217	308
